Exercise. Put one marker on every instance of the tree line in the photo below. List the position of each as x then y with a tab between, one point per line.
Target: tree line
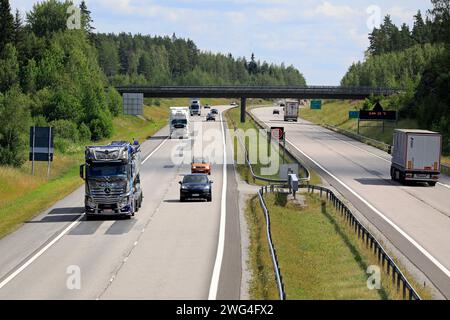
417	61
53	76
143	59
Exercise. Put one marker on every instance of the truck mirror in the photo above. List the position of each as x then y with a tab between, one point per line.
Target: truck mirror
179	182
389	150
211	182
82	171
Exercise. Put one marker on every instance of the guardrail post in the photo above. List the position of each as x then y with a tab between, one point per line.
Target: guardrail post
243	107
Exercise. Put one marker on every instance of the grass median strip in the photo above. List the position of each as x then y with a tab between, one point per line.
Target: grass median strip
320	257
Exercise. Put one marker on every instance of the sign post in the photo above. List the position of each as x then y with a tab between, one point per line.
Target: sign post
279	134
41	147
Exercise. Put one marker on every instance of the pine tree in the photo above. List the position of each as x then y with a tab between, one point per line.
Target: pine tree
18	29
6	24
86	18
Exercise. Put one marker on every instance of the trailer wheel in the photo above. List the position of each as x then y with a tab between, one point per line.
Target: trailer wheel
432	184
393	173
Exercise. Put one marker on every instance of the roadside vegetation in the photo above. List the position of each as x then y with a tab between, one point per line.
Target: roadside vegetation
417	61
233	120
335	113
24	196
320	257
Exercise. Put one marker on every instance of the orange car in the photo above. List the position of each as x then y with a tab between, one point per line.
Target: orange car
201	165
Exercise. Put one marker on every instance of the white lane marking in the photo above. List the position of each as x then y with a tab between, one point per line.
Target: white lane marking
38	254
214	286
154	151
56	239
390	222
369	152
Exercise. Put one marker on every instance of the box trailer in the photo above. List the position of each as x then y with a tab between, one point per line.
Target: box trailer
416	156
291	111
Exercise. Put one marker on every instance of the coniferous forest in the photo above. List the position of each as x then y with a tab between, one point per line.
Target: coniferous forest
416	60
50	75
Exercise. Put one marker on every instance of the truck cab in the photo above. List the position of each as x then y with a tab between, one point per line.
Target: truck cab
112	179
179	123
195	108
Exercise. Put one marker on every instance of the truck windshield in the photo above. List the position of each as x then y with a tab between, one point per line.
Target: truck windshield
106	170
179	121
195	107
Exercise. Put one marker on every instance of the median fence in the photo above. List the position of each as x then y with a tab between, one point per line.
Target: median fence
387	263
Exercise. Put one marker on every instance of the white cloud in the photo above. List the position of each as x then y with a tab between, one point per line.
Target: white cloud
335	11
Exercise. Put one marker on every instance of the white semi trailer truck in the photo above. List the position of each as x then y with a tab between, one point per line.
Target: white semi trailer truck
416	156
179	123
291	111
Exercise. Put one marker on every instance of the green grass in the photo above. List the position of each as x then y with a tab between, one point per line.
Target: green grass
320	256
233	119
23	196
335	113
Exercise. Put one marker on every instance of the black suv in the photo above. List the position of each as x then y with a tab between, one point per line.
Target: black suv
196	186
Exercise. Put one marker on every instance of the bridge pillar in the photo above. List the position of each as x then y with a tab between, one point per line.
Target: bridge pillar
243	107
133	103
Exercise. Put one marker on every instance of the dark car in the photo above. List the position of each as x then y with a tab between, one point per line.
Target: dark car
214	111
210	117
196	186
276	111
207	106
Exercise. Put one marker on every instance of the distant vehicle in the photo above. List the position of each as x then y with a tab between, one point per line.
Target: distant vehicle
210	117
214	111
416	156
291	111
233	104
276	111
196	186
112	178
201	165
207	106
179	123
195	108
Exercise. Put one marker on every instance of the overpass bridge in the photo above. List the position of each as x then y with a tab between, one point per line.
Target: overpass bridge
263	92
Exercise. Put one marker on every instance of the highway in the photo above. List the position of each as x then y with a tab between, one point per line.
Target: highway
415	219
169	250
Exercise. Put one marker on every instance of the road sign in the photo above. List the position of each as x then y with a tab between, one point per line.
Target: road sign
353	114
378	115
277	133
316	104
41	145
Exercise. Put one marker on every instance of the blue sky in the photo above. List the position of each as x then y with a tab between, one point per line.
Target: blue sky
320	38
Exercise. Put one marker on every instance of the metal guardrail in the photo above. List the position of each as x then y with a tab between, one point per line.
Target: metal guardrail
273	252
256	177
398	278
387	263
375	143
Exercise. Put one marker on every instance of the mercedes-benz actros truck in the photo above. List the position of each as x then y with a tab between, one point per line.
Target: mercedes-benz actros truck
112	179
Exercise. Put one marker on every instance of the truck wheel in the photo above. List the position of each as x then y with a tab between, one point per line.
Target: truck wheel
89	217
182	199
393	178
136	206
209	199
432	184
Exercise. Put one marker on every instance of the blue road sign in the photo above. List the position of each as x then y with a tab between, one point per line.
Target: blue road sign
316	104
353	114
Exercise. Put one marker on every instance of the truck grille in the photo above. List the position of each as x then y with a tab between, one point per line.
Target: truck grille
109	195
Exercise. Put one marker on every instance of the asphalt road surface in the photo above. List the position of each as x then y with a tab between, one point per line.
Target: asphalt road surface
169	250
416	219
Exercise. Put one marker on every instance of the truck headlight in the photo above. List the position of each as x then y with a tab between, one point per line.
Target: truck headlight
124	201
89	202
